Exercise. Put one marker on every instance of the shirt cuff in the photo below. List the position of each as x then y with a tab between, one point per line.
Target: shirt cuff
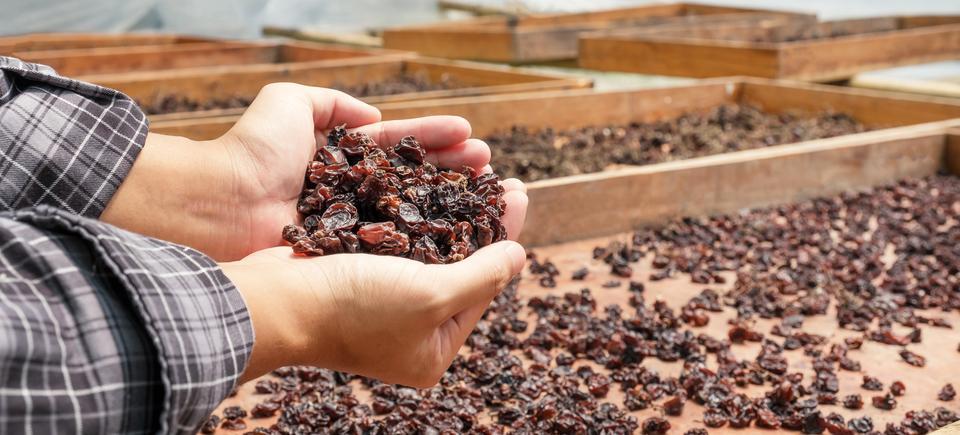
63	142
195	316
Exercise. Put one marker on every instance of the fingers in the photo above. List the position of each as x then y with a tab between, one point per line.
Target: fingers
515	214
473	153
432	132
478	278
513	184
330	107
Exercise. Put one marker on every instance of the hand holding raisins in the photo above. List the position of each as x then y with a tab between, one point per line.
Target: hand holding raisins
233	195
391	318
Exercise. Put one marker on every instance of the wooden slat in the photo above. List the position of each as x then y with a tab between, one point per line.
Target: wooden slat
96	61
86	61
840	58
862	44
951	157
688	59
877	108
622	200
65	41
535	38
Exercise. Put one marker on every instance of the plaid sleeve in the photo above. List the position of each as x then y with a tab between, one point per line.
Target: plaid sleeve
106	331
63	143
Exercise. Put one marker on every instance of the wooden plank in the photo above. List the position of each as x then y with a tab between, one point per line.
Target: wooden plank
876	108
628	198
857	45
95	61
951	157
840	58
537	38
78	62
312	35
939	86
677	58
65	41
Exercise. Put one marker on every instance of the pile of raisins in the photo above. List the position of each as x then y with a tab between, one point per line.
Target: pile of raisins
552	363
359	197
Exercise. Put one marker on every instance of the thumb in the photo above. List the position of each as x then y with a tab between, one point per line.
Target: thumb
479	277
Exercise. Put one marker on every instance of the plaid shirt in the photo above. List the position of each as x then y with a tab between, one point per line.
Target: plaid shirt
101	330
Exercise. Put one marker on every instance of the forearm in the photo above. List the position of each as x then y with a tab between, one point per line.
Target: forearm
156	336
178	190
66	144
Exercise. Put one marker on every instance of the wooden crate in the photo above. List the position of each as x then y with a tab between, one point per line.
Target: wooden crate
794	172
942	79
632	196
537	38
92	61
202	84
776	51
66	41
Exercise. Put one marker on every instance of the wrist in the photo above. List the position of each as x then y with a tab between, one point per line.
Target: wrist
288	314
178	190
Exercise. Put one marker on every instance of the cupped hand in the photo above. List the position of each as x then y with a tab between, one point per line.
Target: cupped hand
232	196
394	319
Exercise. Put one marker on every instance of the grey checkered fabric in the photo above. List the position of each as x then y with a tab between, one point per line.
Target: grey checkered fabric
63	143
101	330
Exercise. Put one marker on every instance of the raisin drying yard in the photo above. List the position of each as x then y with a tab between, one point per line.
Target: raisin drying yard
770	318
834	314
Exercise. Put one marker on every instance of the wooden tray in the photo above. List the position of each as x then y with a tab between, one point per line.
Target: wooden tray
65	41
941	78
879	158
102	60
734	180
773	52
203	84
536	38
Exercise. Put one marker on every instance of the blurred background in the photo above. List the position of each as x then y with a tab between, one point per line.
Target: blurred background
245	18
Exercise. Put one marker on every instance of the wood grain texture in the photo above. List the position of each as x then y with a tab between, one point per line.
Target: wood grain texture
84	62
771	52
951	157
65	41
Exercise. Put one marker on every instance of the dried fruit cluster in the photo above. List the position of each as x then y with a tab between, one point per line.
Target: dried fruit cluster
359	197
791	262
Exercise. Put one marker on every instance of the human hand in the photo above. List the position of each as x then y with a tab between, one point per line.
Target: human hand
232	196
391	318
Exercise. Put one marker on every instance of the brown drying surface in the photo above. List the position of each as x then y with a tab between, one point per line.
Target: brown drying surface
939	345
532	155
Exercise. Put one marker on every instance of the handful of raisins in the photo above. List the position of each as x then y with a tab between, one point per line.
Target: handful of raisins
359	197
